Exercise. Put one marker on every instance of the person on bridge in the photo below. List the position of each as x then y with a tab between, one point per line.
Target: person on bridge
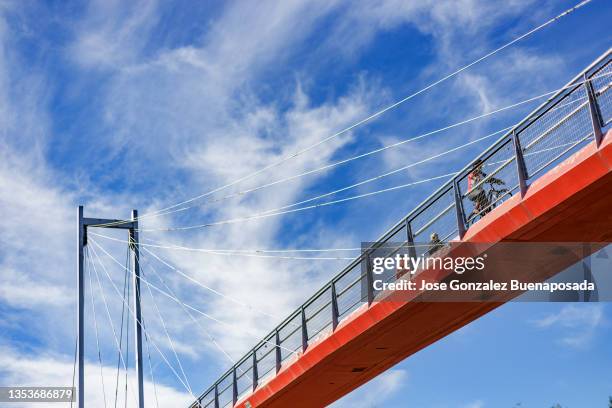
476	191
434	243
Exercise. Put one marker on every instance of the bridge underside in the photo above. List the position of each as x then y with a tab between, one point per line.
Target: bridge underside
571	203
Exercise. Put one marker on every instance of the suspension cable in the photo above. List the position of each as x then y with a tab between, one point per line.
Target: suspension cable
163	245
206	315
282	210
196	321
393	145
161	318
268	213
210	289
242	193
127	326
389	173
181	302
254	254
93	311
110	321
150	365
133	314
119	356
373	115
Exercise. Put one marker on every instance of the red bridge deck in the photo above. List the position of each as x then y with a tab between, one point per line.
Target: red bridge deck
570	203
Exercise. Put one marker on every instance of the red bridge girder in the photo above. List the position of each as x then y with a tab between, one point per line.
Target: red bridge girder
570	203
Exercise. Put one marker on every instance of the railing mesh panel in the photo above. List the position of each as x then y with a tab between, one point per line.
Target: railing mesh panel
437	222
244	376
208	399
266	358
226	393
291	337
557	133
349	291
602	85
319	315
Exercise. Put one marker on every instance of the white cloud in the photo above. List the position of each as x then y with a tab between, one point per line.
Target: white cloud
475	404
446	21
376	392
508	77
46	369
38	206
191	111
515	75
113	33
576	323
36	221
189	119
19	290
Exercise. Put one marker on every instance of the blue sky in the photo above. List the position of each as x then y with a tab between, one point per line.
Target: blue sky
120	105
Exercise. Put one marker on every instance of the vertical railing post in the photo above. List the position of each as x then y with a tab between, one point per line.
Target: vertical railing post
304	330
459	209
593	110
369	279
279	357
216	395
334	306
410	240
521	167
255	372
234	387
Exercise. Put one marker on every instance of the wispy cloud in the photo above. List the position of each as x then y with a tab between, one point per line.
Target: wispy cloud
193	112
577	324
475	404
113	34
47	370
377	392
165	121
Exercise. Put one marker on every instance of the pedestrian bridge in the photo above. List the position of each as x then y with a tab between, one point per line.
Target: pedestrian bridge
555	167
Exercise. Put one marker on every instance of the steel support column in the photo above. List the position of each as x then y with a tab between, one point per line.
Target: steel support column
80	308
133	239
83	224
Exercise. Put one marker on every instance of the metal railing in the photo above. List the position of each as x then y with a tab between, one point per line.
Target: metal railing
565	123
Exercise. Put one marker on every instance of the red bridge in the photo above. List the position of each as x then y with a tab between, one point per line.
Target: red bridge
559	162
